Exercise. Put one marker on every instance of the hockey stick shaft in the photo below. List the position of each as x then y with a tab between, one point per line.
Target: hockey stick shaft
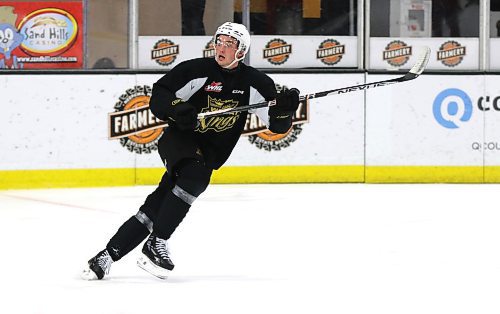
414	72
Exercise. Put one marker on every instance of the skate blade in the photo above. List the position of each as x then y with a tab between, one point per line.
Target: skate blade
159	272
88	274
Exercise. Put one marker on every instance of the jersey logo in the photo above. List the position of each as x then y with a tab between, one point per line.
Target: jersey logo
214	87
218	123
236	91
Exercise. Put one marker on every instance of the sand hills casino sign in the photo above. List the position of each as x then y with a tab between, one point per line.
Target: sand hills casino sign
37	35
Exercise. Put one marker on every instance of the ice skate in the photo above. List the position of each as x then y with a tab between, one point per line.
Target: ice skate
98	266
155	257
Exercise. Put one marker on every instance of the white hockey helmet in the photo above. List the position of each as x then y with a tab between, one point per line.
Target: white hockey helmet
237	31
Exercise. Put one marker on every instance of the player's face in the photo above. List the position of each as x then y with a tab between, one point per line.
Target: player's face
225	48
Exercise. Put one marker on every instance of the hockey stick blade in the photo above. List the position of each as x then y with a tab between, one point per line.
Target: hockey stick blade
414	72
419	66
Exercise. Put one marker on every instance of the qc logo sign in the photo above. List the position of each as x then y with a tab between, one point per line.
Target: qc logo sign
452	107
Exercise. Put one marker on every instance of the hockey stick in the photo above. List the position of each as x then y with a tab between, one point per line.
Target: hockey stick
414	72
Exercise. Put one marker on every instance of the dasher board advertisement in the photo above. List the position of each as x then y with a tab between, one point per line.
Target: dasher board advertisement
489	102
265	51
42	34
303	51
446	53
70	124
165	52
436	120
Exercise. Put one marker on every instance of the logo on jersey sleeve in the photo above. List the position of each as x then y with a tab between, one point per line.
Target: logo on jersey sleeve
214	87
218	123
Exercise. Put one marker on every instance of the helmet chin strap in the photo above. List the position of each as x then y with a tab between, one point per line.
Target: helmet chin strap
236	59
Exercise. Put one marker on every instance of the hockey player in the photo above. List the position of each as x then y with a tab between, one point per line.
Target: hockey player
191	149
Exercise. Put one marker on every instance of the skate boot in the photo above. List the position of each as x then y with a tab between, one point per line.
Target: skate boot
98	266
155	257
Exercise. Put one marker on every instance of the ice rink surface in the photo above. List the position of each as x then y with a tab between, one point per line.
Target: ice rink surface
312	248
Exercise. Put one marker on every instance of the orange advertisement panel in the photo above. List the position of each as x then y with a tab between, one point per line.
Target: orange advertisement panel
41	35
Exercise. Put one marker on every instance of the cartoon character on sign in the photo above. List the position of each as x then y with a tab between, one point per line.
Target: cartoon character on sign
10	39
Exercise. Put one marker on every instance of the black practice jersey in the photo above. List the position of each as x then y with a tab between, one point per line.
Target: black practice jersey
209	87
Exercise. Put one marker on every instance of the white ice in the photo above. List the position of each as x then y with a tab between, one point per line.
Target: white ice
315	248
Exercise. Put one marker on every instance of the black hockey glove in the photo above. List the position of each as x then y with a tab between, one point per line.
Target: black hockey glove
185	116
280	115
287	103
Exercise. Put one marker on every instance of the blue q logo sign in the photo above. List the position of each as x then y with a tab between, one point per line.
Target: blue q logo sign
452	107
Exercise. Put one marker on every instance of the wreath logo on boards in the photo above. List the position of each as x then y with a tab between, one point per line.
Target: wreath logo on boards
330	52
133	123
277	51
451	53
164	52
397	53
260	136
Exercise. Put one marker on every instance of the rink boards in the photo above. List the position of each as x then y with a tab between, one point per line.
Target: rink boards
57	131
